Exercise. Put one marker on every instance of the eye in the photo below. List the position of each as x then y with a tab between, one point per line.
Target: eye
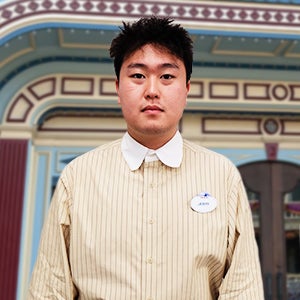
167	76
137	76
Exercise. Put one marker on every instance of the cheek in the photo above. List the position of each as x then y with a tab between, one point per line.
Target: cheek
128	93
179	96
128	102
126	85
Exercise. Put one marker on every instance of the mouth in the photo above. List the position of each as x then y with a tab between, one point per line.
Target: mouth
152	109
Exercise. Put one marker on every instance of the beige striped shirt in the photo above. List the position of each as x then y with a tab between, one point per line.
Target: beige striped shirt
113	233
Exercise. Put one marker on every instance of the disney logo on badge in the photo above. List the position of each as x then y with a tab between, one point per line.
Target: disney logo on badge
203	203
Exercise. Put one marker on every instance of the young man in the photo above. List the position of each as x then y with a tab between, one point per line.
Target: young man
150	216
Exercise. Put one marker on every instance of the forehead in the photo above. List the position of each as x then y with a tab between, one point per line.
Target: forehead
152	53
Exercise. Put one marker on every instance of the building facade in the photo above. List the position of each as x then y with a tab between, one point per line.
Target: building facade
58	100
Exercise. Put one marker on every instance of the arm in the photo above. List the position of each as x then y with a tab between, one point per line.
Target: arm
51	276
242	280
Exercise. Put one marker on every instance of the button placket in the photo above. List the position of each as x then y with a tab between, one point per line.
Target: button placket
149	260
151	180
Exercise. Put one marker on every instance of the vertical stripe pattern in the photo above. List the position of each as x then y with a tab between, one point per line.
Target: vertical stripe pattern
13	155
113	233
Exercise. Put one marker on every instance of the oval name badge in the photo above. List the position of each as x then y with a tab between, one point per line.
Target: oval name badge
203	203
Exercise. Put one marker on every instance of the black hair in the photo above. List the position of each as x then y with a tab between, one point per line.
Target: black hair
152	30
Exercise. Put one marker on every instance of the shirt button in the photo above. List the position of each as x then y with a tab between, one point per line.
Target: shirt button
149	260
151	221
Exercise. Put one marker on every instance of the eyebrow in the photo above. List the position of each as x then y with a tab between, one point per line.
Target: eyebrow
161	66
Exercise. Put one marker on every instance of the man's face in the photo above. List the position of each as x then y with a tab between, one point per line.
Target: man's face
152	91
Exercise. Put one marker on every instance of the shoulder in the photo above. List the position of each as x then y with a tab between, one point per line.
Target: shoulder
98	152
198	150
90	165
94	158
209	159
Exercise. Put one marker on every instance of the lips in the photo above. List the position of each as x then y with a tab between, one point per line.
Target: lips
152	108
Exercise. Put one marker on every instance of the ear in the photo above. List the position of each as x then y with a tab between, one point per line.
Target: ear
188	87
117	89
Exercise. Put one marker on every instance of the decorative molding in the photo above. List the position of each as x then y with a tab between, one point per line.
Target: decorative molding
294	45
271	126
19	109
290	127
216	50
77	86
280	92
14	55
65	44
257	91
271	150
196	90
99	91
231	125
83	122
248	125
43	88
295	92
204	11
107	87
223	90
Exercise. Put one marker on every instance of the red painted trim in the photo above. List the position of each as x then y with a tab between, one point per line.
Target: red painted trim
213	95
293	88
101	85
20	97
256	85
284	130
80	80
50	80
271	150
205	130
13	154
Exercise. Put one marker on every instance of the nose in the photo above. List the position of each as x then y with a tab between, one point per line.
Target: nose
152	89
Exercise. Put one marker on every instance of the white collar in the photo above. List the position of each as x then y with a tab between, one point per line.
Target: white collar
135	153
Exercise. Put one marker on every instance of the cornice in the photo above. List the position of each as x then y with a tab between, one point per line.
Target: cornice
20	13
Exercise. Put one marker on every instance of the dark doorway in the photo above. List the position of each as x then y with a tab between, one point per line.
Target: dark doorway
273	188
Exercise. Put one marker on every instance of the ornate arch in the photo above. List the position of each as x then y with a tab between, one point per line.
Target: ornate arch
68	90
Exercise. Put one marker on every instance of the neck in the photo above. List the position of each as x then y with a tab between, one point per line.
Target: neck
152	141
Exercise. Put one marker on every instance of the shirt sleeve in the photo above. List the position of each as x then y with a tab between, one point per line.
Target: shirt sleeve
51	278
242	280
